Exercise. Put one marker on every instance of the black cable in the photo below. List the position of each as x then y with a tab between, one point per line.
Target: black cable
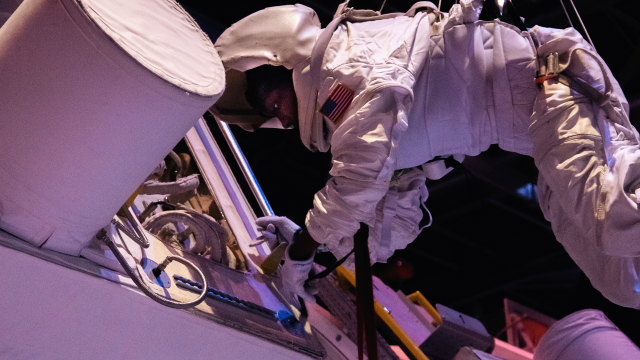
152	207
451	162
329	269
139	238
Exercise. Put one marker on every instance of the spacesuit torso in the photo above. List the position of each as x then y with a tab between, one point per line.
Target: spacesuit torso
427	85
475	89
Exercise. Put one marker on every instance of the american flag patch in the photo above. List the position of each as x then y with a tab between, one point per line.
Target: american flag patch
337	103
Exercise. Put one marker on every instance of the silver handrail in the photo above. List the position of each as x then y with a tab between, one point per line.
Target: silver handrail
246	169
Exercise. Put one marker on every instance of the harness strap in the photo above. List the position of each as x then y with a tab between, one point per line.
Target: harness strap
328	270
349	14
601	99
419	6
317	54
604	100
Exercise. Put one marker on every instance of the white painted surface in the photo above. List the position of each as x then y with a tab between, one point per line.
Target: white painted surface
52	312
83	122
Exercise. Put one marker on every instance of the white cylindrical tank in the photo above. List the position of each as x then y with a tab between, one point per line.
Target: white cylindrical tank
585	335
94	94
7	7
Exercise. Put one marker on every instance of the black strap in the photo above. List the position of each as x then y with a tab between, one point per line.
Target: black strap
451	162
365	313
364	292
324	273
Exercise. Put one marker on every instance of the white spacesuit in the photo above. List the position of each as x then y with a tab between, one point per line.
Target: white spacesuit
411	104
428	84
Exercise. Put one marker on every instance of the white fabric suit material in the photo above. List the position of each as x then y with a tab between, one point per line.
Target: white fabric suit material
587	184
585	335
448	116
416	83
393	65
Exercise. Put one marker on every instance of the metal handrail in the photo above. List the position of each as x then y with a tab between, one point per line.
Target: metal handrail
246	169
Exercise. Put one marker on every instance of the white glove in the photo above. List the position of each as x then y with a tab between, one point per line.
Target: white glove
294	276
286	228
268	235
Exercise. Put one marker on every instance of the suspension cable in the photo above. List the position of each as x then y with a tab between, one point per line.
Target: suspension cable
566	13
382	7
581	23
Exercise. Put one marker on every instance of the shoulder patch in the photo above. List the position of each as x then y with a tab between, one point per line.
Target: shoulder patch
337	103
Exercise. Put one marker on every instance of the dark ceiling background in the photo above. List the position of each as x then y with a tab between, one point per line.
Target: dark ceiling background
489	240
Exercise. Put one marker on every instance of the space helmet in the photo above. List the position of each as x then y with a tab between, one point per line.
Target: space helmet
278	36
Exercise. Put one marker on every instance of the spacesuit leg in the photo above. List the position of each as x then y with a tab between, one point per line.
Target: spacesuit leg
587	188
614	276
585	335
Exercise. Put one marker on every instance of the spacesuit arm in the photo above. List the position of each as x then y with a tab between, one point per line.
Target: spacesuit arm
363	149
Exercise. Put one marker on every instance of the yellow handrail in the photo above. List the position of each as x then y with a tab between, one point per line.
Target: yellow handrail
387	318
419	299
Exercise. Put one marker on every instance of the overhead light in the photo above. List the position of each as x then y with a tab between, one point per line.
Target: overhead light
529	191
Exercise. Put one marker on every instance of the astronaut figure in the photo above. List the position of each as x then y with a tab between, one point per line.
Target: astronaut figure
391	93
